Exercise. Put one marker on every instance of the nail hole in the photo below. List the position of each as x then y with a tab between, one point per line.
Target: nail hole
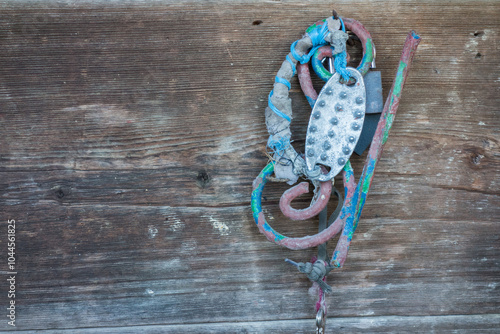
478	33
203	179
476	158
59	193
478	55
257	22
325	170
351	82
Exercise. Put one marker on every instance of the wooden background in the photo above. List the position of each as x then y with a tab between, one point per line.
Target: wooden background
130	136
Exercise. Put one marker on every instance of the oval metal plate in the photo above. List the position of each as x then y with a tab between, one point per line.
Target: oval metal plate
335	124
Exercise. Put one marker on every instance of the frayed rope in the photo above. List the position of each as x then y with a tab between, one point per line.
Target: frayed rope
278	144
340	65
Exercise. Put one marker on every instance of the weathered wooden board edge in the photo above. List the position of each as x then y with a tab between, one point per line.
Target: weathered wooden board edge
142	3
486	323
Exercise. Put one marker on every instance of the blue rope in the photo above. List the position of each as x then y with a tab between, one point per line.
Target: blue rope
305	58
342	21
294	69
340	65
278	145
317	37
276	110
301	59
340	62
283	81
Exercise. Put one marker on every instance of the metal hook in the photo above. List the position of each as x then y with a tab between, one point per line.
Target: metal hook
317	204
320	321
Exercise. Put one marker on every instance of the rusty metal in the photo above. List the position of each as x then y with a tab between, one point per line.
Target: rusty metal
334	14
317	204
355	192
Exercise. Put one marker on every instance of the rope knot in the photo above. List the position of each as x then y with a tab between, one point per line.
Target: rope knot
316	272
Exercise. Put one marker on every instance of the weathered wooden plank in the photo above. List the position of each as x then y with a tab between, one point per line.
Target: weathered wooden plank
155	187
423	324
102	264
131	134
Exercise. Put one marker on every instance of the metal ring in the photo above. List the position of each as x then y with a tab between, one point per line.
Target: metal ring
320	321
368	51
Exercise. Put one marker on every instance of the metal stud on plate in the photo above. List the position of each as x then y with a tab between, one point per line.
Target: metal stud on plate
335	124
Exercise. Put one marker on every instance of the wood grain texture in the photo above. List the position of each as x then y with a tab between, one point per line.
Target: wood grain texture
392	324
130	136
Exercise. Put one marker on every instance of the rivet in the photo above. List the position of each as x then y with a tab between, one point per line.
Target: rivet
346	150
324	156
322	103
339	107
352	139
311	141
310	153
359	100
355	126
317	115
341	161
327	145
343	95
313	128
358	114
331	133
329	91
334	121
